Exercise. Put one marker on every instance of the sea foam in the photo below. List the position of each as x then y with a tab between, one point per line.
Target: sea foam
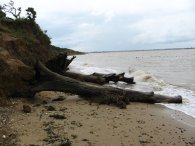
145	81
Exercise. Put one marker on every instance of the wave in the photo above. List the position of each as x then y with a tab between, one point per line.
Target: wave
141	76
88	69
145	81
161	87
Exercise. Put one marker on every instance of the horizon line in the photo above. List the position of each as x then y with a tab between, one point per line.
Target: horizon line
141	50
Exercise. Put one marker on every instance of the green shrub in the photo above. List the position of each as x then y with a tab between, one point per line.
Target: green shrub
22	27
2	14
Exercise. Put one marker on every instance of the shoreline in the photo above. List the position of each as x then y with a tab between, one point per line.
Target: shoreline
180	116
168	49
88	123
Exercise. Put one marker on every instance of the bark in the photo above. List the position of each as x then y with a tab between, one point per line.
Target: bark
50	81
60	63
86	78
115	77
67	63
100	79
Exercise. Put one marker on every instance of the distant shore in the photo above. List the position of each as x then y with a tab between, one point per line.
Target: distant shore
142	50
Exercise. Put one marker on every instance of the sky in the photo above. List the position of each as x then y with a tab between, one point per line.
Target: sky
114	25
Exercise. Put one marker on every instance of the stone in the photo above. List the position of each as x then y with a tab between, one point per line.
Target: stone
26	109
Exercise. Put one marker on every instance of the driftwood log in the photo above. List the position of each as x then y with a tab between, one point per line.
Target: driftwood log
86	78
115	77
51	81
60	63
101	79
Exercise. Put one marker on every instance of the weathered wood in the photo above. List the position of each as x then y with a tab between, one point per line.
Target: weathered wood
98	78
86	78
67	63
115	77
60	63
55	82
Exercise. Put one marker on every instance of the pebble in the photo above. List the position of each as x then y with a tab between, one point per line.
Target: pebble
50	108
4	136
26	109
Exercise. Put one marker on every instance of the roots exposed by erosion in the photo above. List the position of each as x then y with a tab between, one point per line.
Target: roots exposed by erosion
60	63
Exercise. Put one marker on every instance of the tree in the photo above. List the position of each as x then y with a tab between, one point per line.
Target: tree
2	14
31	14
9	8
48	80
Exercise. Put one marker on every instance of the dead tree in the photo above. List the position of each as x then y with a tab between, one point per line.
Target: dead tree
10	8
115	77
100	78
60	63
51	81
86	78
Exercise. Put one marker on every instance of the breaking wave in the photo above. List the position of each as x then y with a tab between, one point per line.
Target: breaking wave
145	81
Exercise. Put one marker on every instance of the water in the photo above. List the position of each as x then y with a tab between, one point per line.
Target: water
167	72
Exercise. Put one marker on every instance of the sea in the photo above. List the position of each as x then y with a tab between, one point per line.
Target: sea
166	72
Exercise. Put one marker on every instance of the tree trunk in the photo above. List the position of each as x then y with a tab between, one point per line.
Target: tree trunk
60	63
86	78
115	77
50	81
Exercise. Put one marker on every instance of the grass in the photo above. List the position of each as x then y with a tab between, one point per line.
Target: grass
24	29
3	28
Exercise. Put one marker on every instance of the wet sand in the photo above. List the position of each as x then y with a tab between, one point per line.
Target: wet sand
87	124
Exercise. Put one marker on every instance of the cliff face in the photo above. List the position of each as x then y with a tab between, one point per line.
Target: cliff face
20	47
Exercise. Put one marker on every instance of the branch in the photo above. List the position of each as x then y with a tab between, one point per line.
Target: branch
68	63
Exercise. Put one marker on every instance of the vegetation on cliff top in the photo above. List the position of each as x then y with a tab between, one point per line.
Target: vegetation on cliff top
26	27
57	50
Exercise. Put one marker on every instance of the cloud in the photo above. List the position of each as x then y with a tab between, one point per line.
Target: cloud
90	25
165	29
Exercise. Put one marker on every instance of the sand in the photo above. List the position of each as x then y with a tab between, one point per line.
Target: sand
91	124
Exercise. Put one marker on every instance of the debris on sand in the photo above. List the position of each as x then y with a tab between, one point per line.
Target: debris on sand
60	98
57	116
50	108
26	108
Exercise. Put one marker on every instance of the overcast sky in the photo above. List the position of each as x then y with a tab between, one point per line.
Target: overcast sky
102	25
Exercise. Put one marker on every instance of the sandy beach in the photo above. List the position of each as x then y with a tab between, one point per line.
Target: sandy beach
84	124
101	55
